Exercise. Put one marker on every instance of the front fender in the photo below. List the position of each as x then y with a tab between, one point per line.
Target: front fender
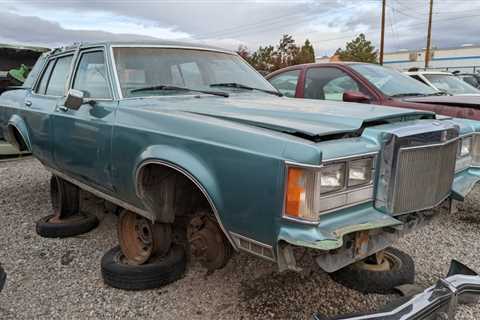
185	162
18	123
191	166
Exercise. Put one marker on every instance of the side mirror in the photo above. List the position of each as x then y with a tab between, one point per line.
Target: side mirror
74	99
355	96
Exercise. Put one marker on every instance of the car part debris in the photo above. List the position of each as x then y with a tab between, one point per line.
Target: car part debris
440	301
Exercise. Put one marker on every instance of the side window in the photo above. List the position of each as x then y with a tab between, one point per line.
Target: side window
56	85
286	82
42	85
35	72
91	76
329	84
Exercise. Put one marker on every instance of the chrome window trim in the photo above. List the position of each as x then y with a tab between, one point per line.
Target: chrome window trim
74	70
191	178
50	58
194	48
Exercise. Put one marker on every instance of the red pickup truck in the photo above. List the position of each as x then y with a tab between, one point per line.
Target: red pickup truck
369	83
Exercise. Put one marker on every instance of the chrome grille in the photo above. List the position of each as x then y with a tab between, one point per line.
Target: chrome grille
424	176
416	166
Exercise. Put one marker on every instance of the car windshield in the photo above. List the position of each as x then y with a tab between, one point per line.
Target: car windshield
451	84
391	82
147	71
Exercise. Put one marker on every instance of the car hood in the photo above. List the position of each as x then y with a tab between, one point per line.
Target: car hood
296	116
459	100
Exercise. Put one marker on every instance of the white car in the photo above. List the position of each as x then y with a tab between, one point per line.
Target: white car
444	82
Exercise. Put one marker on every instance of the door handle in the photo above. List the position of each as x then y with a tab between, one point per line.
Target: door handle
62	108
28	103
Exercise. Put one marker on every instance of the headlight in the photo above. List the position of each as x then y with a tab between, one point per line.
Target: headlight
475	150
360	172
302	193
332	178
312	191
465	147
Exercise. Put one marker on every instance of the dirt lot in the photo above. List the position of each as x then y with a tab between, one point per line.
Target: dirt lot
60	279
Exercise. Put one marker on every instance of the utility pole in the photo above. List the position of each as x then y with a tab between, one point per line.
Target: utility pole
382	36
429	36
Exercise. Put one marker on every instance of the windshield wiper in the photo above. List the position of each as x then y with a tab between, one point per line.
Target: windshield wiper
173	88
409	94
440	93
242	86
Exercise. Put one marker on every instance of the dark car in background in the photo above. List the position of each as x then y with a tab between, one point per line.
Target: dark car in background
472	79
369	83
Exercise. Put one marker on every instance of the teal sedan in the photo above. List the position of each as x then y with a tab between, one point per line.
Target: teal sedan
189	139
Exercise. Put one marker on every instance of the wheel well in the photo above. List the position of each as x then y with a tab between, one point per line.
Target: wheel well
169	194
15	138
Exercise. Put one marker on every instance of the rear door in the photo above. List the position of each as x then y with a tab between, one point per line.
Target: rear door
82	138
41	102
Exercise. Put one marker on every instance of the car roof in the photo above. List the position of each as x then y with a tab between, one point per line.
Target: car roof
156	43
312	64
428	72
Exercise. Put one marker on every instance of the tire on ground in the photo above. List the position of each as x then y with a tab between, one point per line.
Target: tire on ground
368	281
153	274
77	224
3	277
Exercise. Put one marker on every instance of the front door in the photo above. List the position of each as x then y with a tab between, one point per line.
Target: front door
83	137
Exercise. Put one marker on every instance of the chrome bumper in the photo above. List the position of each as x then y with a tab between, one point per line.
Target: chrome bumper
461	286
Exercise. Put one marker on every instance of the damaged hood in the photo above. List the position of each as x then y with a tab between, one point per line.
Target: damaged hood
300	116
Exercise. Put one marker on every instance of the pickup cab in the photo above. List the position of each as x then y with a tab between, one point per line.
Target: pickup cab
206	158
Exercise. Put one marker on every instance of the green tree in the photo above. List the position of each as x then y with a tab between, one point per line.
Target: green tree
286	52
359	49
306	54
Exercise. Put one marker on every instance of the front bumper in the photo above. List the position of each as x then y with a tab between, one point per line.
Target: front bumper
464	182
440	301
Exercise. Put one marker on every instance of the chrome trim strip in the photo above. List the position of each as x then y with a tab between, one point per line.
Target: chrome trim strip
263	245
77	60
194	180
100	194
352	157
303	165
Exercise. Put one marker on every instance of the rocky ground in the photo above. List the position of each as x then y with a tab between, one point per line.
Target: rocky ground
60	279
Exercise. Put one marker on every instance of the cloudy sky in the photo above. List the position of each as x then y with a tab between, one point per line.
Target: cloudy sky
327	23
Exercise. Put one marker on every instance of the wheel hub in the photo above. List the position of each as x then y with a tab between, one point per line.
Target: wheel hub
140	239
207	243
381	261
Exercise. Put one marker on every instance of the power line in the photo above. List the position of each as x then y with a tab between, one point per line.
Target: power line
253	28
377	28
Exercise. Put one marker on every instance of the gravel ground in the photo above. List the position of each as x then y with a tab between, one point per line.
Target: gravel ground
60	279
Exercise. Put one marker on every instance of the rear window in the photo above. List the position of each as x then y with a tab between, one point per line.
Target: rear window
33	75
